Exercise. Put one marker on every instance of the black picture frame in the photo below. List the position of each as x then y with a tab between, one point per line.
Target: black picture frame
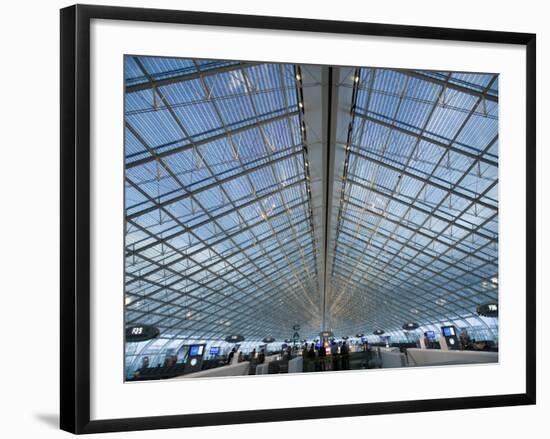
75	217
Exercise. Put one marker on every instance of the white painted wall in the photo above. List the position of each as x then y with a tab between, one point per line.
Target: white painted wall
30	205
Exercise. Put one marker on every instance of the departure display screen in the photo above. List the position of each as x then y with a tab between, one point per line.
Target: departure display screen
448	331
195	350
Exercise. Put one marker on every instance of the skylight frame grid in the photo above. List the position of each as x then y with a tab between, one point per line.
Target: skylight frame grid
267	172
360	132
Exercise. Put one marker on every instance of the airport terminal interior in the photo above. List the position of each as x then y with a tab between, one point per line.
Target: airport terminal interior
295	218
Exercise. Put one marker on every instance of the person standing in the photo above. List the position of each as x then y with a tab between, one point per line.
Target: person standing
322	357
311	358
335	356
344	352
230	356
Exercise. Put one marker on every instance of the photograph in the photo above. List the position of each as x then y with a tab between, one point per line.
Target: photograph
296	218
251	219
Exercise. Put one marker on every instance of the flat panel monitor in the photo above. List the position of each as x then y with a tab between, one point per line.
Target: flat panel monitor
448	331
196	350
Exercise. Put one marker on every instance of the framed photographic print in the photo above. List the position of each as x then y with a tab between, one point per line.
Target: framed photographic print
252	204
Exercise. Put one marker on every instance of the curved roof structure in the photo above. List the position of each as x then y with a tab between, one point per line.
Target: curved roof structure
263	196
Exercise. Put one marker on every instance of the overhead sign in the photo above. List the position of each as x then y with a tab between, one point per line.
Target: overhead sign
296	335
488	310
409	326
326	334
141	333
235	338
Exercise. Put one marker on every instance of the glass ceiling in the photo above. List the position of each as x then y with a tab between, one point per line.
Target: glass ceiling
220	235
417	233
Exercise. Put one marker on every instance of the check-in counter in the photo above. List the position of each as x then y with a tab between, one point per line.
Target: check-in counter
222	371
296	365
437	357
392	357
262	369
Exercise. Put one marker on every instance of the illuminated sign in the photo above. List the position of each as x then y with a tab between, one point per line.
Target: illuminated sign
234	338
488	310
196	350
141	333
448	331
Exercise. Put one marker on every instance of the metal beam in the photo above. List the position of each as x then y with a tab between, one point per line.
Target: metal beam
419	136
406	269
206	298
210	186
451	85
222	239
427	181
398	286
187	77
134	250
418	207
207	140
415	230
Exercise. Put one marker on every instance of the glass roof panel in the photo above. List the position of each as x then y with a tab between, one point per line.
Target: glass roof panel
220	235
